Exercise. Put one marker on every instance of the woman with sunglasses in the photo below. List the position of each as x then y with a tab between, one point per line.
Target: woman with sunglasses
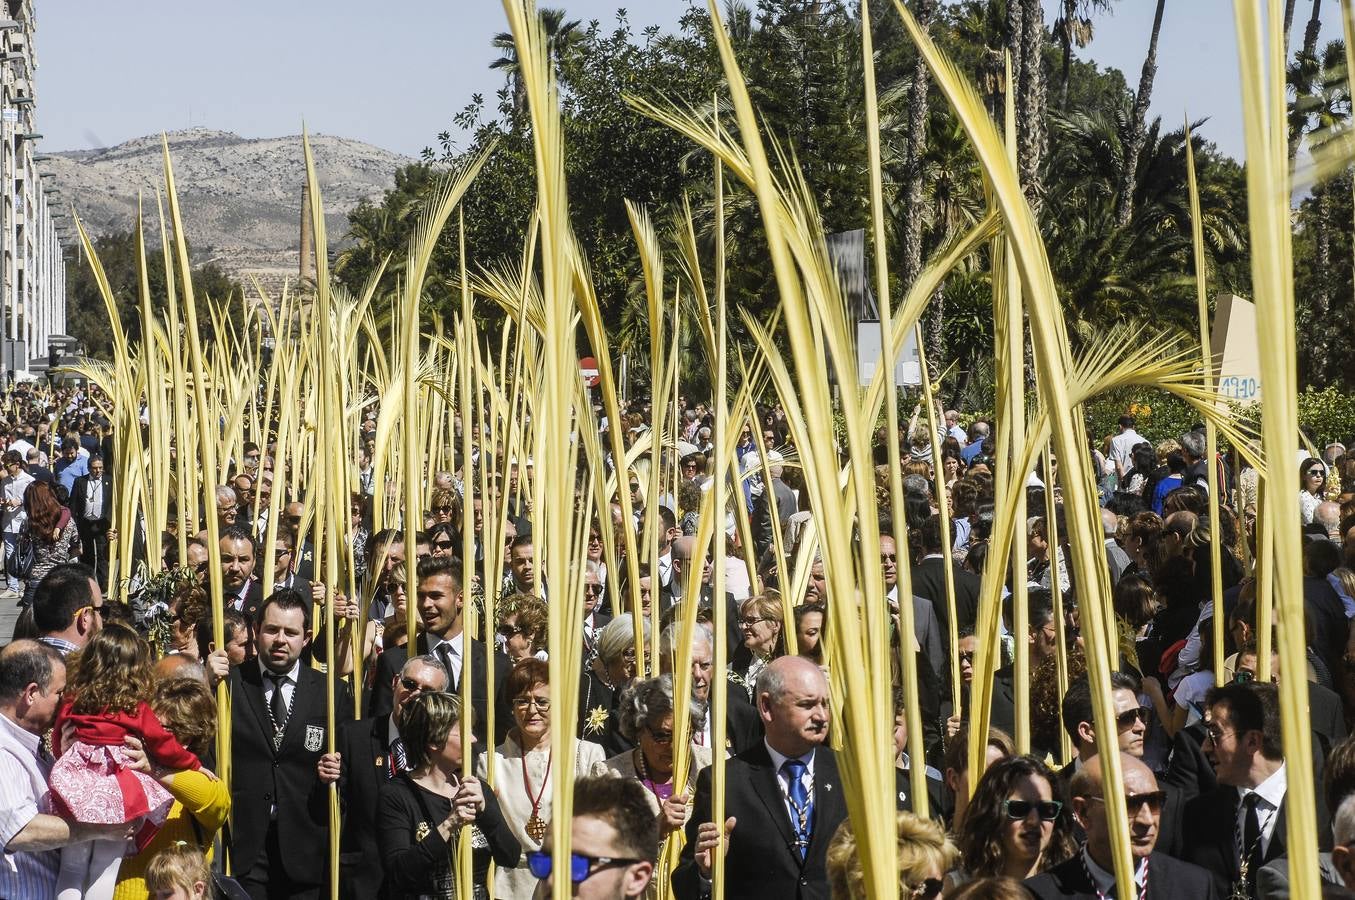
763	640
423	810
1312	487
521	633
1016	824
525	769
924	856
645	717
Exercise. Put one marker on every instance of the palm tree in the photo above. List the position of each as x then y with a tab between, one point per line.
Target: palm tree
915	142
561	36
1026	36
1307	57
1135	136
1074	26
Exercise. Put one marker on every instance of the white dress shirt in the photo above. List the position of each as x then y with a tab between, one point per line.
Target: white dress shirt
23	795
783	779
453	646
1271	793
288	685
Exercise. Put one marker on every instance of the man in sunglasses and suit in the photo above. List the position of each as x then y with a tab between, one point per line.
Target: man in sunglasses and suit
1090	873
783	797
369	755
1131	724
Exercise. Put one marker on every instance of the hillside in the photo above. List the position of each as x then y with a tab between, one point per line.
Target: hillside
241	197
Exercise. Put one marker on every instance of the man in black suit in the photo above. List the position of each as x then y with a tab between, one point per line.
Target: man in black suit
279	793
1240	826
440	598
91	505
929	580
1325	712
593	616
786	504
239	556
369	755
1091	873
783	797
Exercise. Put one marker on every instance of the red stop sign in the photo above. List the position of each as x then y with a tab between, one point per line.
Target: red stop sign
588	368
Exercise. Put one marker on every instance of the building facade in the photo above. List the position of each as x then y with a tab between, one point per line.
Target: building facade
33	269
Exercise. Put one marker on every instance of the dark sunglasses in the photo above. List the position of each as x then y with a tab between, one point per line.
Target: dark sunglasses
1135	802
581	867
1126	719
1048	810
509	631
592	589
442	545
410	684
442	510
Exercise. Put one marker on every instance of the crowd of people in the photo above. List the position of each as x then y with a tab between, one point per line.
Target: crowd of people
108	769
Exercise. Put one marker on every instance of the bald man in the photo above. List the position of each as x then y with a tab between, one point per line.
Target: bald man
783	798
1090	873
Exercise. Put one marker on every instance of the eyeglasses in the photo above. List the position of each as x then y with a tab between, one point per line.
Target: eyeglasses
592	589
509	631
1135	802
1216	734
442	545
1047	810
541	703
752	620
1317	473
581	867
410	684
442	510
95	610
660	737
1126	719
929	889
967	656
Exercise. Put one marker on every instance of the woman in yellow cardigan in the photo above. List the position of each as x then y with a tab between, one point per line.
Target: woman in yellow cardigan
187	709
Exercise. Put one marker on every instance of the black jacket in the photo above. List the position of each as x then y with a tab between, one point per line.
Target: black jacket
365	759
929	581
79	490
412	864
1168	879
761	861
264	777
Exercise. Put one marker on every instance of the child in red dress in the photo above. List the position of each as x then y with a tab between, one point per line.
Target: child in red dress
91	782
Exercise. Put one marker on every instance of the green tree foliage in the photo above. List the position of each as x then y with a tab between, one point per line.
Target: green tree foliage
86	313
802	60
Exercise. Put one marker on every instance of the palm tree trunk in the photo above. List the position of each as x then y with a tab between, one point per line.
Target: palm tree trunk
1288	23
916	142
936	327
1133	141
1321	267
1309	52
1066	45
1032	100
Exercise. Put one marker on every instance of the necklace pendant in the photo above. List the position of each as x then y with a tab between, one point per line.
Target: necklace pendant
536	828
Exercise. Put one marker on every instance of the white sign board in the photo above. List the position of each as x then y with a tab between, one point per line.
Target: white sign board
1233	345
907	368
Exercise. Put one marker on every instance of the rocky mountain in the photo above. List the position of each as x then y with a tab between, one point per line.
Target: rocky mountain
241	197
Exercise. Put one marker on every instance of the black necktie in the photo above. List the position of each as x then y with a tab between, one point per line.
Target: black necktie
1251	840
278	705
444	653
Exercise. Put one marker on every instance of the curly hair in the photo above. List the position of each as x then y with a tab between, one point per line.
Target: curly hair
188	711
533	617
1046	703
112	673
646	703
923	848
978	840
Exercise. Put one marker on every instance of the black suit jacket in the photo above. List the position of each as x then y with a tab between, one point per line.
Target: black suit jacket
1325	618
1210	833
392	660
761	861
1168	879
929	581
365	759
284	777
79	490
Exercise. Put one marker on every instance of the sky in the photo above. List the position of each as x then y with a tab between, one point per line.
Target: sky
393	74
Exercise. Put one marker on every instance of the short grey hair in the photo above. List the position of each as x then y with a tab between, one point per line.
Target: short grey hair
1193	443
917	486
668	638
617	636
1343	823
648	701
769	681
430	661
225	493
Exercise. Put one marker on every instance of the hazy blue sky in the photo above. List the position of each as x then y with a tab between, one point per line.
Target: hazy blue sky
394	73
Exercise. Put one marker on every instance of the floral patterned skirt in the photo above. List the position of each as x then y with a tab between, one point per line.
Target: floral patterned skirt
92	784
